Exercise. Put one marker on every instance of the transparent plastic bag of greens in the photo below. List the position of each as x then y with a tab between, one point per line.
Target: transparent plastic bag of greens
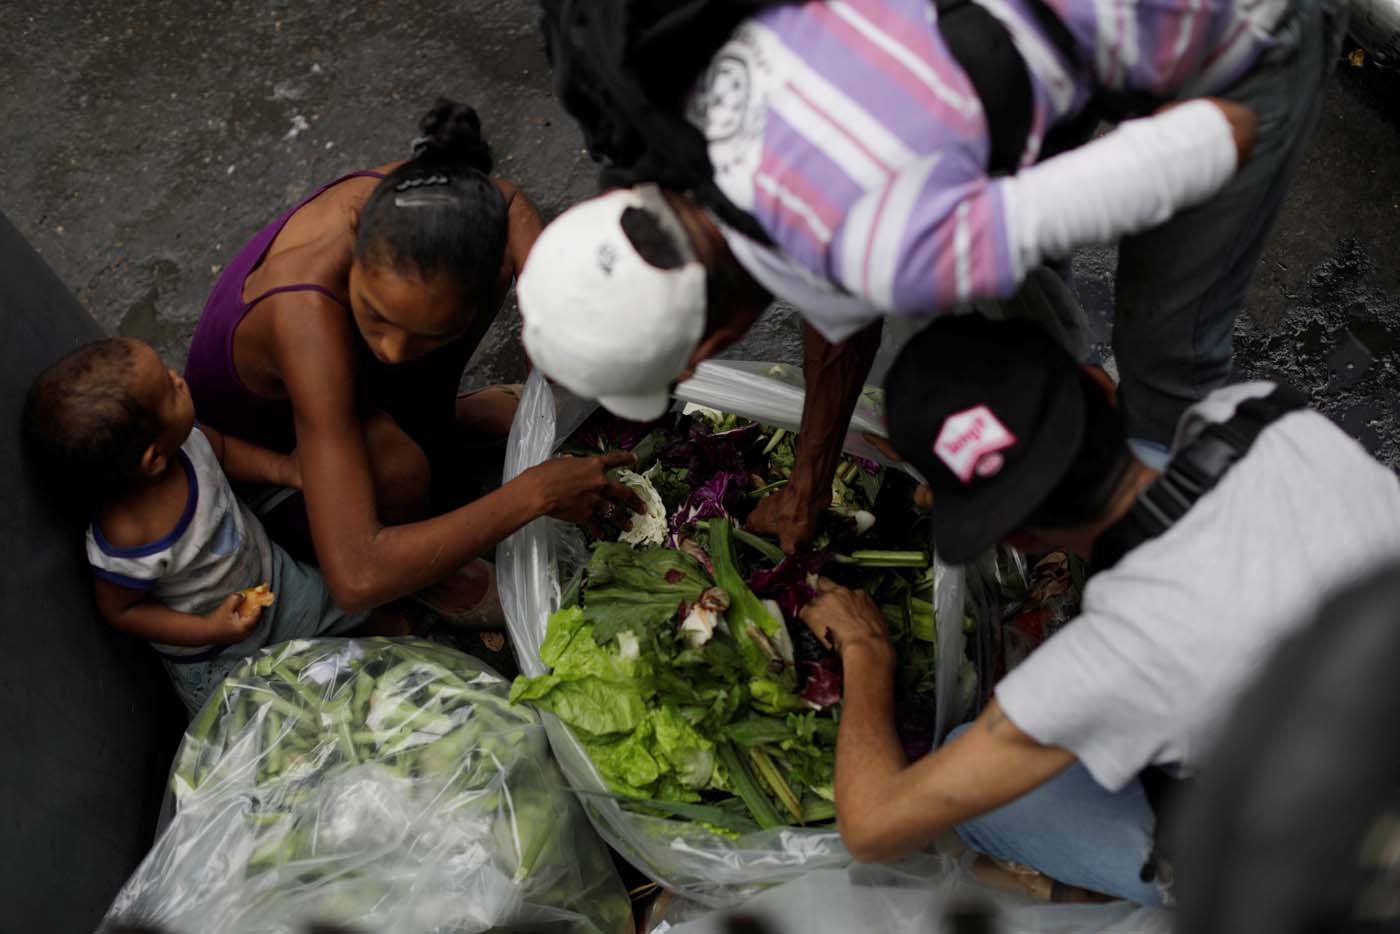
532	564
384	785
914	896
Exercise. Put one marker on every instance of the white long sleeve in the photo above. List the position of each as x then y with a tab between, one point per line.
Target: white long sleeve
1129	180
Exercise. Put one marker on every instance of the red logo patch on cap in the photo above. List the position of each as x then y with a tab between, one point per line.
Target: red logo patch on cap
969	441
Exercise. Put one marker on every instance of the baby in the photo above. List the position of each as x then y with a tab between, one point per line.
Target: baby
176	558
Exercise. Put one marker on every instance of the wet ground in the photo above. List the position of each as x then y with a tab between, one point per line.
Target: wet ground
145	142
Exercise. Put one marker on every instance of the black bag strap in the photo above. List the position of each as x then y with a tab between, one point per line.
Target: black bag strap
984	50
1192	473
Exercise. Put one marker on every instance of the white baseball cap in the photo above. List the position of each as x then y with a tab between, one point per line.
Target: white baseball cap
603	321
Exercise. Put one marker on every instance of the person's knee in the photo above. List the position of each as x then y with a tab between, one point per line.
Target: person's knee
402	473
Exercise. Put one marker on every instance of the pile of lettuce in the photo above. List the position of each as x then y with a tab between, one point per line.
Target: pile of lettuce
677	658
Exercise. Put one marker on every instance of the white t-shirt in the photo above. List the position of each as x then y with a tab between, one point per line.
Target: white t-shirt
1167	638
217	547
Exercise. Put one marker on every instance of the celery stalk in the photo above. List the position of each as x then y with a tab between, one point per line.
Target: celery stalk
774	780
884	559
747	788
761	545
752	626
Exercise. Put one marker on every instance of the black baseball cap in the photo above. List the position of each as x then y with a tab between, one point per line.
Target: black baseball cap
993	414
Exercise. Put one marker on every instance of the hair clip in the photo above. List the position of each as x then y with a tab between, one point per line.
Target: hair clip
422	181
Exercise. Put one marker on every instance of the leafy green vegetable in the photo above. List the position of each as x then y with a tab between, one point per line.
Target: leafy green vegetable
713	816
755	629
590	687
298	757
691	756
590	704
638	589
755	731
761	545
689	704
672	483
782	456
767	771
746	786
627	763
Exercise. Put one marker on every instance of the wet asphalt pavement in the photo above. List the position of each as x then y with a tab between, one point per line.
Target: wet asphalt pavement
144	142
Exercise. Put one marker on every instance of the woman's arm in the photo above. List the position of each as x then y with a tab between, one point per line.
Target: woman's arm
365	562
249	463
133	612
524	225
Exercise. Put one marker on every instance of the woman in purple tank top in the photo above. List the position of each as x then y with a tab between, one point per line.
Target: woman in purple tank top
341	332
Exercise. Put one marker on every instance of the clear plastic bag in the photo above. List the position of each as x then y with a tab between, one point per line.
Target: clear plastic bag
384	784
709	868
913	896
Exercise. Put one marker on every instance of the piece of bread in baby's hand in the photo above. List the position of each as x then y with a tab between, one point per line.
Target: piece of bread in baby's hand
258	597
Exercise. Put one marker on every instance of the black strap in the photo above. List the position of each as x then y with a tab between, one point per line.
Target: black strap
983	48
1112	105
1164	791
1192	472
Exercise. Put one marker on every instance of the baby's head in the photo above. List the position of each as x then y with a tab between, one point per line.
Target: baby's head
107	419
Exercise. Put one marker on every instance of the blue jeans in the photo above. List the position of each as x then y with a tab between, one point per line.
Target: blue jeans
303	610
1075	832
1180	285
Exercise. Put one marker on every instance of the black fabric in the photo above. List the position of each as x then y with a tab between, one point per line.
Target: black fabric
1001	401
622	69
1108	104
1164	792
1298	791
1192	473
983	49
1085	489
91	722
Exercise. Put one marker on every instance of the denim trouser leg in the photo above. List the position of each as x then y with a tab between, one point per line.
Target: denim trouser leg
1075	832
1179	286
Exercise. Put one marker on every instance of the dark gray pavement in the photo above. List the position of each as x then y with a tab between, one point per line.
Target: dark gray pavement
144	141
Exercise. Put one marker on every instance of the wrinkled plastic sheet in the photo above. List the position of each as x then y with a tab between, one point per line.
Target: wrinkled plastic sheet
533	564
914	896
387	785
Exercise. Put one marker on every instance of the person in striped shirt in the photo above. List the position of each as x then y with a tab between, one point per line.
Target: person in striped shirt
858	144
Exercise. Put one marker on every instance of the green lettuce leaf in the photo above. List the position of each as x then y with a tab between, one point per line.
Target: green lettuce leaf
590	687
638	589
627	765
690	755
592	704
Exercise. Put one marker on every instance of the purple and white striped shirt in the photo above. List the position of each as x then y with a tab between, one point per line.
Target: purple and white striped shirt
849	132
